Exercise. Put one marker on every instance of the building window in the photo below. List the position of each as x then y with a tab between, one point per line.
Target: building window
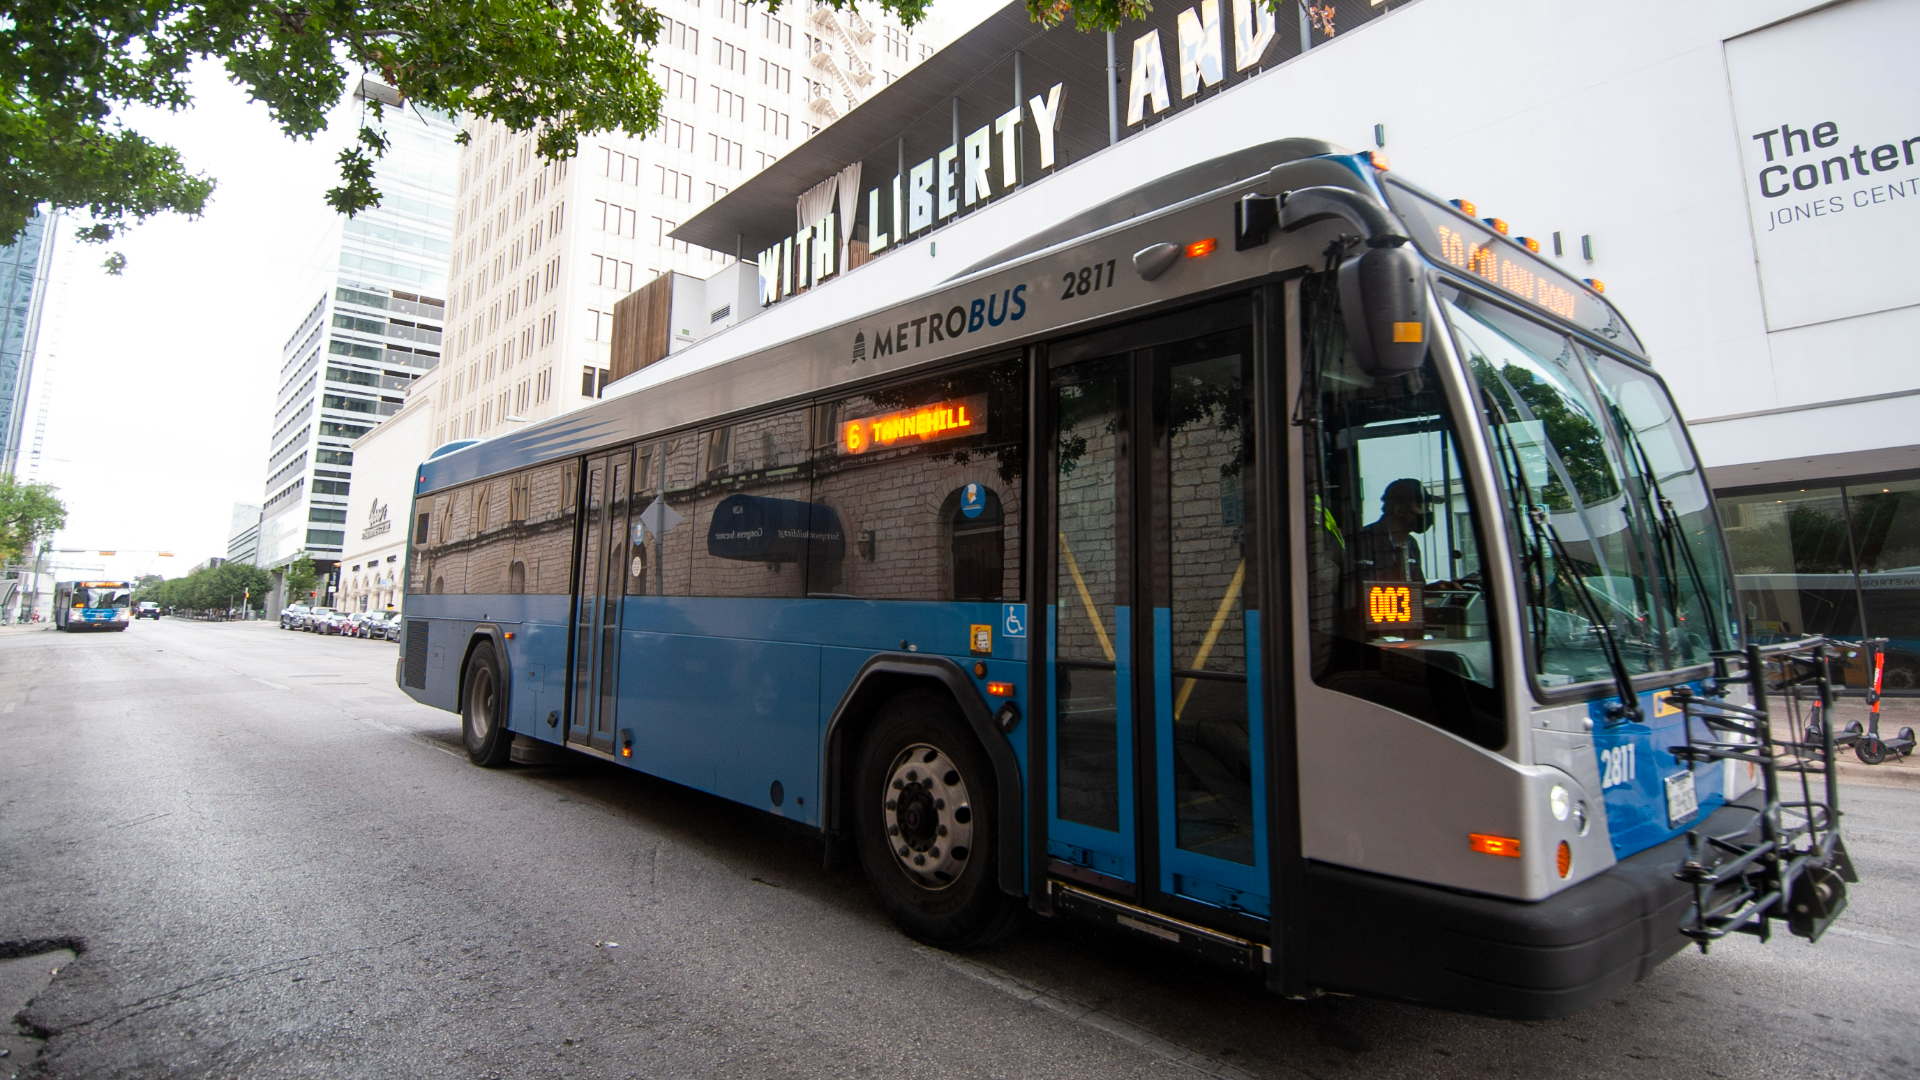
1831	561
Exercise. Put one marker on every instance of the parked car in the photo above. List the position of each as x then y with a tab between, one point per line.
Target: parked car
382	626
316	620
147	609
360	624
294	616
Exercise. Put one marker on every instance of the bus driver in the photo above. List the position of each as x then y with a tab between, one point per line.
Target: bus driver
1386	550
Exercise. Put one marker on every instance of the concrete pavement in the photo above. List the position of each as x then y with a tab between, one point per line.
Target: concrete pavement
277	865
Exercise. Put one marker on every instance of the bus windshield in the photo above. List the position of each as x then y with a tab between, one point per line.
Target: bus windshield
1608	508
97	596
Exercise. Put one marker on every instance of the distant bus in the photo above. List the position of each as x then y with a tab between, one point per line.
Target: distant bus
1167	571
92	605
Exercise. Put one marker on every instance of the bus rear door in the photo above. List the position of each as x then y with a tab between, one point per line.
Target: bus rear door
591	712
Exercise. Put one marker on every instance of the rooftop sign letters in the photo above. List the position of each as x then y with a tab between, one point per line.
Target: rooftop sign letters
1171	59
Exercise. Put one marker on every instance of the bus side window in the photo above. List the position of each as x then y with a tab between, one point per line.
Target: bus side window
430	537
450	569
541	559
488	561
753	526
976	543
925	482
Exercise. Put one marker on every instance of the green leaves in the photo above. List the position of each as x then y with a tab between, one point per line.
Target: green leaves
563	68
29	513
210	588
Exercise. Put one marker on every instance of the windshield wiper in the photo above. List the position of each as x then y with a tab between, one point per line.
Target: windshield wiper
1674	550
1564	566
1521	493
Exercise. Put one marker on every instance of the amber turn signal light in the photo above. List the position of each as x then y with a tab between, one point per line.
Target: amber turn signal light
1000	689
1563	859
1494	845
1201	247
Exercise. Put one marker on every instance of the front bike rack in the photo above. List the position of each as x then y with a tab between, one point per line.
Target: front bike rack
1788	863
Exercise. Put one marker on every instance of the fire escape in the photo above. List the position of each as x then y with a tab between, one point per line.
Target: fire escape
844	65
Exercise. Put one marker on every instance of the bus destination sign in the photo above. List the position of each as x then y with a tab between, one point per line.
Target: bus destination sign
1453	239
928	423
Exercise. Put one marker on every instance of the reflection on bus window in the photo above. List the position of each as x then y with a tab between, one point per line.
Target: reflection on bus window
922	480
508	535
1623	531
1398	615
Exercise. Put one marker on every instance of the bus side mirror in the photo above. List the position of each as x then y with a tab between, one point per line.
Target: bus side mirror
1382	290
1383	297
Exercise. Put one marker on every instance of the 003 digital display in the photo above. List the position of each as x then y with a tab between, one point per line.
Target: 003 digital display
1395	607
926	423
1456	240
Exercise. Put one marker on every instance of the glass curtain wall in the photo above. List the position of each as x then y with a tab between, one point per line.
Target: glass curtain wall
1841	561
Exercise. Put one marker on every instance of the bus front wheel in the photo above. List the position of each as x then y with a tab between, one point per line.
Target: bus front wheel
924	805
483	712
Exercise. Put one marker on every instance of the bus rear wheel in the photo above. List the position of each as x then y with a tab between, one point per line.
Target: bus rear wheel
924	809
483	712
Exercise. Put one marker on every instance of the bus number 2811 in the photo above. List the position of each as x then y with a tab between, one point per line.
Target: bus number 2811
1616	766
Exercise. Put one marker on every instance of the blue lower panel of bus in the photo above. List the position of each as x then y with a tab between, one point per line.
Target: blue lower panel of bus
1636	768
727	695
725	715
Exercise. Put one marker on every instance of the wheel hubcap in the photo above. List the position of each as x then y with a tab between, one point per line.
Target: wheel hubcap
928	816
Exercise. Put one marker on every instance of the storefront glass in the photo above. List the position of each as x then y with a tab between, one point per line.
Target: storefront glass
1839	561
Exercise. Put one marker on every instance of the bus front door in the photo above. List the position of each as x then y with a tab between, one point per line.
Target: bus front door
1156	767
604	551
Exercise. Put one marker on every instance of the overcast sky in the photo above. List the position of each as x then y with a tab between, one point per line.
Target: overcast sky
159	383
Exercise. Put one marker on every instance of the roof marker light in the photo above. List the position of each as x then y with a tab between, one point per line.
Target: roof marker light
1378	160
1465	206
1494	845
1596	284
1529	243
1201	247
1496	224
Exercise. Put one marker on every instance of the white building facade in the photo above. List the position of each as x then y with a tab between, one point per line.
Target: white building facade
541	251
375	554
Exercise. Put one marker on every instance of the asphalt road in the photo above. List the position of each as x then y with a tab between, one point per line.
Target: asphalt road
277	865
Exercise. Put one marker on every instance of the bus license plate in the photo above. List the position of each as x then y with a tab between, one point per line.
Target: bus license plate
1681	804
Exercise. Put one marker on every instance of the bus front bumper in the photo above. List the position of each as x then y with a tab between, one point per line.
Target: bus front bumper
1555	957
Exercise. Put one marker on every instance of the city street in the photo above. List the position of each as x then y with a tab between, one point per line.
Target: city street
271	863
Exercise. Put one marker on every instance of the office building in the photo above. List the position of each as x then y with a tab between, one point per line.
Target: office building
542	251
243	535
375	329
25	269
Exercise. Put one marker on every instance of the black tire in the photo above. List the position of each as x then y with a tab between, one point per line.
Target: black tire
483	710
1870	749
945	894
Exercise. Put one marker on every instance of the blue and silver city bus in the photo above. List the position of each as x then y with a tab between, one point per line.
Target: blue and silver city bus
1276	561
92	605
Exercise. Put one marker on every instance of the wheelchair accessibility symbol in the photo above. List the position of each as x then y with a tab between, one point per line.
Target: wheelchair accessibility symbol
1013	620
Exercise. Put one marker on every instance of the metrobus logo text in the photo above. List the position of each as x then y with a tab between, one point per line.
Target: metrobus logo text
1009	305
928	423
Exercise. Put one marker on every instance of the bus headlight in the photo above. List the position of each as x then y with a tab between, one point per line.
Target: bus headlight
1560	801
